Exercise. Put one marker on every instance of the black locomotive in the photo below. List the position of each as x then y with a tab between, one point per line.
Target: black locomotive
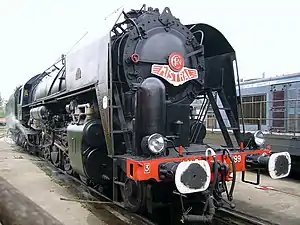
117	113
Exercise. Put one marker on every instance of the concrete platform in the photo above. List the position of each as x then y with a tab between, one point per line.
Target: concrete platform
34	183
272	205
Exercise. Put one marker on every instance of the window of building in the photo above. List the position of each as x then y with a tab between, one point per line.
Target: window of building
293	110
278	109
254	108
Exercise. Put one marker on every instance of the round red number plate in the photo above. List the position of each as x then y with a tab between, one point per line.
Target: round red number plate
176	61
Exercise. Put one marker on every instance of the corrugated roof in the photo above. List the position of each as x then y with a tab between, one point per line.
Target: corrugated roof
294	77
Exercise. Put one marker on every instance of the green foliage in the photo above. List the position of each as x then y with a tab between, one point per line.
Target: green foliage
2	113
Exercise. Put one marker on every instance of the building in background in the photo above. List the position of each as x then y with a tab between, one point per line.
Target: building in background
271	103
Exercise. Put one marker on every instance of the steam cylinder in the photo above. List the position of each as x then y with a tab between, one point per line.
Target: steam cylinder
38	113
150	109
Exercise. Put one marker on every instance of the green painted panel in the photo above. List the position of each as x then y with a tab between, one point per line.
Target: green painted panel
75	136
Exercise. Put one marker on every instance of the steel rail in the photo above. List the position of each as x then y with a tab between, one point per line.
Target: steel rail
233	217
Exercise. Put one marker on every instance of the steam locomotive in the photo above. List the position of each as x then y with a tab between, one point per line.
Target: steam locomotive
117	114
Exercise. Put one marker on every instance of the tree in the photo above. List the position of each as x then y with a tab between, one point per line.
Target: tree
1	107
1	100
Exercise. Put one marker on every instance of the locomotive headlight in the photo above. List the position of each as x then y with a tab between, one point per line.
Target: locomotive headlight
155	143
259	138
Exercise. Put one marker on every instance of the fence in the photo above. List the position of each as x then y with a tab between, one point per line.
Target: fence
278	115
211	124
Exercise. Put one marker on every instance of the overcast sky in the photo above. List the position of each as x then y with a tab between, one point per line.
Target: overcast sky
34	33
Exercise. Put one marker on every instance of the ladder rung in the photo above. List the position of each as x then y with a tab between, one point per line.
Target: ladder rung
225	108
232	128
118	82
120	131
119	183
116	106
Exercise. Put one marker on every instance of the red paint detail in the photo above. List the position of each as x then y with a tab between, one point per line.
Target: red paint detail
135	58
242	146
180	150
176	61
139	166
266	188
175	78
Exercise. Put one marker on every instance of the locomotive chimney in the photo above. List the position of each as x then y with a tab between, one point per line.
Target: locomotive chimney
150	110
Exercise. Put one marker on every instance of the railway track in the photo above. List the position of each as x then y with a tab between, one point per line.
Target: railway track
92	197
95	201
233	217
